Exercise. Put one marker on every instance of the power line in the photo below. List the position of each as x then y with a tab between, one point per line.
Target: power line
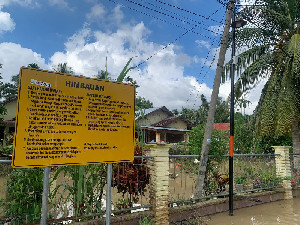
173	17
222	3
165	21
202	68
156	6
187	11
172	42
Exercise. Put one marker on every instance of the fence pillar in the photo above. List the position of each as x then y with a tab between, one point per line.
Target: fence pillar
159	182
283	168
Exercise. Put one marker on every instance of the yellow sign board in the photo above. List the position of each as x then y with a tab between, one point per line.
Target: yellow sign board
64	119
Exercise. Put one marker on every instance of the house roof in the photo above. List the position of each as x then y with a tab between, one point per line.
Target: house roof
10	100
11	122
164	128
169	120
222	126
146	112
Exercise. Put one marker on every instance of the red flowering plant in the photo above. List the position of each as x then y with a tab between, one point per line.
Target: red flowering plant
294	181
132	178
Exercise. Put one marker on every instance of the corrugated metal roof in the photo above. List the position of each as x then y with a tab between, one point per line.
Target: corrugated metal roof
163	128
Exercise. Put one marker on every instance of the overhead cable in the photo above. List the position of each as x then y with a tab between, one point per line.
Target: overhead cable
173	17
165	21
188	11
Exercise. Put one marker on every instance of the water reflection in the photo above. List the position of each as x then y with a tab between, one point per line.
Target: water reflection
286	212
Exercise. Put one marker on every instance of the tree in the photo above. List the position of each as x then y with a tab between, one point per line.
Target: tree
103	75
142	103
10	90
199	116
63	68
272	44
34	65
2	108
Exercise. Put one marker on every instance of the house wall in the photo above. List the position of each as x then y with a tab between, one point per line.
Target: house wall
11	110
178	124
152	118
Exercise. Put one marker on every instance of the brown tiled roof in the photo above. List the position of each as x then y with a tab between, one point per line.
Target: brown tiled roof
147	112
222	126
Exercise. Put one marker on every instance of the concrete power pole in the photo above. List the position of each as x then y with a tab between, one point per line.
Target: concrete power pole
213	103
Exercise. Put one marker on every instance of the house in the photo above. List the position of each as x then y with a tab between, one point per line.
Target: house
8	129
160	124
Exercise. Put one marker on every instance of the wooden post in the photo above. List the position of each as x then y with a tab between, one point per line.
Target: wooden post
159	182
283	168
157	137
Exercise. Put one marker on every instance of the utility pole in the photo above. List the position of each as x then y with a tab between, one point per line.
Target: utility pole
213	103
231	138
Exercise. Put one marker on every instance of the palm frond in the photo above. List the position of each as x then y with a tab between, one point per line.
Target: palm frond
249	78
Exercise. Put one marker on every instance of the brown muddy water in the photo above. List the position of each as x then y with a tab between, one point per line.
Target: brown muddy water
285	212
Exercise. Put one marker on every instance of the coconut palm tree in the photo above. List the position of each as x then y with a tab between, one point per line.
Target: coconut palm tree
271	44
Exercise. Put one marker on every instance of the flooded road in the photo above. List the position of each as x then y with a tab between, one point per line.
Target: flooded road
285	212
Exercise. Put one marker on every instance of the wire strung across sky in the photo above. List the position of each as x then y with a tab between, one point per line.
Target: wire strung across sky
175	40
169	11
165	21
202	68
173	17
188	11
191	30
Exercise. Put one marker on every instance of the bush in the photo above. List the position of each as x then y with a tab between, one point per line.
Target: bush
24	197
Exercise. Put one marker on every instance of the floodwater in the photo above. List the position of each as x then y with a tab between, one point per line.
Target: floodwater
285	212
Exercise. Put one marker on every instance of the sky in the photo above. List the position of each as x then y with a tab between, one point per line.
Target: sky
174	43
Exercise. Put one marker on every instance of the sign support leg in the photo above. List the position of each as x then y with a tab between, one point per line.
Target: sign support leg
108	193
45	196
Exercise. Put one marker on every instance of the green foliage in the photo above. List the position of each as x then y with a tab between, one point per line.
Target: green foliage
103	75
34	65
263	145
63	68
219	142
10	90
142	103
243	135
273	52
24	197
86	188
199	116
125	71
6	150
123	203
145	221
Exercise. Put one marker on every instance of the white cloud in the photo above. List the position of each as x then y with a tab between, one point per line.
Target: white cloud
13	56
202	43
97	12
161	78
60	3
118	15
216	30
6	22
252	95
30	3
